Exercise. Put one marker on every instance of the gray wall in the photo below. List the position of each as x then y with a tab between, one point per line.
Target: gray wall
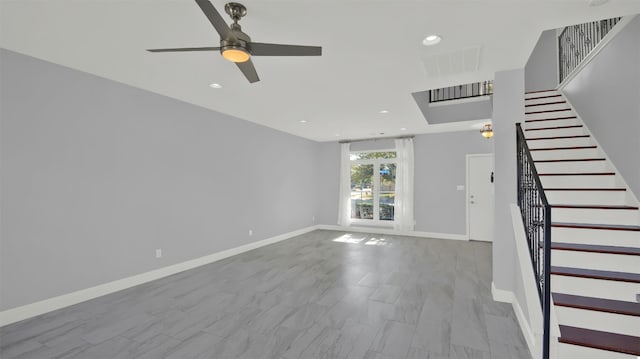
96	175
541	71
606	94
328	183
440	168
446	113
440	162
508	105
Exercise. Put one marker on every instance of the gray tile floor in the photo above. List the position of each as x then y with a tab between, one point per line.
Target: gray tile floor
324	294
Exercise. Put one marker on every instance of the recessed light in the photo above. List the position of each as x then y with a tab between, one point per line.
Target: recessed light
384	112
215	86
431	40
337	135
403	128
303	121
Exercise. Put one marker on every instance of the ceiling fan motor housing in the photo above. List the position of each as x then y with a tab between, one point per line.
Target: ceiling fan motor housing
240	40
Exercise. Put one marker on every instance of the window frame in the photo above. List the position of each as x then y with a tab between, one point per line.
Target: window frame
376	162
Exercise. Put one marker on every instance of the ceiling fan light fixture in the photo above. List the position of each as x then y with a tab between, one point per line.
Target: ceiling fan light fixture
235	54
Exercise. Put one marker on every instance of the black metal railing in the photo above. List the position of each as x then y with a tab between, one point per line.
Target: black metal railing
536	217
576	42
457	92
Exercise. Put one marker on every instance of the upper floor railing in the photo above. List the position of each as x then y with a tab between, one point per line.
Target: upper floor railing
576	42
457	92
536	217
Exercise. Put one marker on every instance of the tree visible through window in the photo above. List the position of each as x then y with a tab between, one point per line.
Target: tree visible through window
373	184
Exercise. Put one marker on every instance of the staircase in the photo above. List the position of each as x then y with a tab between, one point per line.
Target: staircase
595	232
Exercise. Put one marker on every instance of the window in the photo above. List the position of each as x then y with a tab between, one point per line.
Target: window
373	186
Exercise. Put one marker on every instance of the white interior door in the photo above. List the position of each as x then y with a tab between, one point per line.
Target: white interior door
480	197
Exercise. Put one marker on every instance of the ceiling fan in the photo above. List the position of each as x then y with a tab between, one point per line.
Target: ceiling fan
236	46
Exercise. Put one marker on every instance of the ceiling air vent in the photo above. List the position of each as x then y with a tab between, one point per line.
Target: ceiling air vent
455	62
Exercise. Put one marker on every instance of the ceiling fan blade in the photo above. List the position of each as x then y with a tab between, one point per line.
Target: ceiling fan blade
262	49
248	70
215	18
181	49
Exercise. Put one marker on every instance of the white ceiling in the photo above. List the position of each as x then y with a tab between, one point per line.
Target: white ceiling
372	58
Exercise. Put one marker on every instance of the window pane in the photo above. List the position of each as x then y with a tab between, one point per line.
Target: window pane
387	191
387	202
388	177
362	191
371	155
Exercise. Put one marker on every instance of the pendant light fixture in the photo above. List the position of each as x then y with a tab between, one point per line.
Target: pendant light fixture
486	131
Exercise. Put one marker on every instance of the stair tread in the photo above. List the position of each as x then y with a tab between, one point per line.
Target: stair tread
578	174
572	160
597	304
596	274
563	148
538	91
614	227
551	118
547	111
546	103
594	206
539	97
578	247
552	128
557	137
620	343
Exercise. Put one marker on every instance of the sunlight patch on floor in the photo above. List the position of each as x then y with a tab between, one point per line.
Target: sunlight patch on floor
350	238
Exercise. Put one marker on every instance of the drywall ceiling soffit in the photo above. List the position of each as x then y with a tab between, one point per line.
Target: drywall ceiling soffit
373	58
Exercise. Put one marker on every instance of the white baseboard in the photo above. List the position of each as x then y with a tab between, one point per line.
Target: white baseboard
505	296
44	306
377	230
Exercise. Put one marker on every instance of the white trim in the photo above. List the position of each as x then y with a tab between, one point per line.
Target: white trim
596	50
376	230
505	296
44	306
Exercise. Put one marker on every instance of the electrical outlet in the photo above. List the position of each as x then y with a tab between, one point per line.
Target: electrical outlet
159	253
250	232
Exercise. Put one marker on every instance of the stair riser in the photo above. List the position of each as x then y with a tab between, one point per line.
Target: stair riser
576	166
570	351
565	154
600	216
596	288
594	320
533	95
554	123
587	197
563	142
541	106
545	115
597	261
578	181
556	132
593	236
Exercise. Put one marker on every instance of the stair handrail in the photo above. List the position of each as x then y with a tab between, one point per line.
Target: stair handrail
536	218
